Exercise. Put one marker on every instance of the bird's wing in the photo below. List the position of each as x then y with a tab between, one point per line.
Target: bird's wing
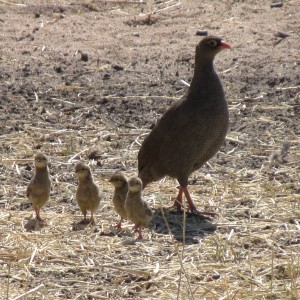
175	139
182	141
150	149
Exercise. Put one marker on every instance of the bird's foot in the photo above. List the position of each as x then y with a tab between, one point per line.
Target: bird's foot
118	227
84	222
177	205
140	237
37	215
38	218
135	228
195	211
192	207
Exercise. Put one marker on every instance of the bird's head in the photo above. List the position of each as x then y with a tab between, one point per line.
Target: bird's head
82	170
40	160
135	184
118	180
210	46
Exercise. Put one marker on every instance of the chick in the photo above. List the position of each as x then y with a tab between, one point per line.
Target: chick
138	211
87	194
38	190
120	182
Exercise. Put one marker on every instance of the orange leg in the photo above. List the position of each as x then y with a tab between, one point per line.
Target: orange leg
192	206
178	199
138	228
140	237
84	221
37	214
92	218
119	225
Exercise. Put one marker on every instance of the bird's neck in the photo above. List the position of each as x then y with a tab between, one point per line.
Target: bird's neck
205	86
135	194
42	171
123	188
86	179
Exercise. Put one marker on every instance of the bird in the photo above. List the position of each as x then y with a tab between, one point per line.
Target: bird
192	130
120	182
138	211
87	194
38	190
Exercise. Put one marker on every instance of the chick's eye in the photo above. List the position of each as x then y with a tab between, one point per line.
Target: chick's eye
212	43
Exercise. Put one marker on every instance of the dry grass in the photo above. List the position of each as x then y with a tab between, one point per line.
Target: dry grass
251	251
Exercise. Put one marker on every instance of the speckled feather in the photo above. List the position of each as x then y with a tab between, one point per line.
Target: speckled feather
138	211
38	190
120	194
87	194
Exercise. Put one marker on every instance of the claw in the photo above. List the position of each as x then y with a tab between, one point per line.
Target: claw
192	208
203	213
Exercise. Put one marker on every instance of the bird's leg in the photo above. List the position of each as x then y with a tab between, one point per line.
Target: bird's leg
192	206
92	218
37	214
178	199
140	237
119	225
84	218
136	228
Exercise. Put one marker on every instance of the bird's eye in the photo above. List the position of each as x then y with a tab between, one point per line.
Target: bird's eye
212	43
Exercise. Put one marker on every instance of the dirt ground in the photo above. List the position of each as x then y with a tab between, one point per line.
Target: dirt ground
87	80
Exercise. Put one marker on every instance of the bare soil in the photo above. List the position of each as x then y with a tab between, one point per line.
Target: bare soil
87	80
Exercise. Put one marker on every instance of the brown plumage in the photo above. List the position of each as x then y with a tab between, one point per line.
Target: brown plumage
38	190
120	182
192	130
87	194
138	211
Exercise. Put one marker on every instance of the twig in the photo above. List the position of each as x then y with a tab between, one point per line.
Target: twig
182	269
8	277
141	97
136	272
288	88
168	7
33	255
77	154
124	1
233	140
184	82
11	3
29	292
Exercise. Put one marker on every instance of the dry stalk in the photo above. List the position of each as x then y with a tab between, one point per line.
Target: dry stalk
29	292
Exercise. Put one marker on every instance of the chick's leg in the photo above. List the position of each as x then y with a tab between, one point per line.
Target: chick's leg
92	218
84	221
140	236
37	214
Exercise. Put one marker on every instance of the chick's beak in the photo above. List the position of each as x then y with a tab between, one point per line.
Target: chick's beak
225	45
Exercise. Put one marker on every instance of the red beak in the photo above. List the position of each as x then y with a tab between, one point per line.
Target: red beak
225	45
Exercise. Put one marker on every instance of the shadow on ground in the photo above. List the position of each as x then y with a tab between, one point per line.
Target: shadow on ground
34	224
168	221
